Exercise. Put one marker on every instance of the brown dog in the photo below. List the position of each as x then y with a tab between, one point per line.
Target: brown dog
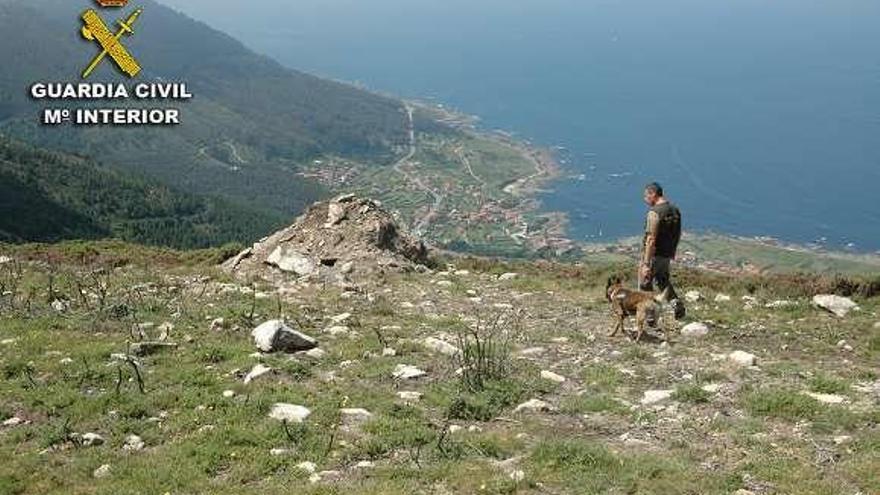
627	302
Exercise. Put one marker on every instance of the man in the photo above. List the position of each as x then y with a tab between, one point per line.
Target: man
662	233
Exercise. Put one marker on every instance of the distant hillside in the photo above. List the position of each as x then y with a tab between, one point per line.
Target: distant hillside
47	196
251	124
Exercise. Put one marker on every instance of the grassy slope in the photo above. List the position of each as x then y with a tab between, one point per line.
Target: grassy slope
758	431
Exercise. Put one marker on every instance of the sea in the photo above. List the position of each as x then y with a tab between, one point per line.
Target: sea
758	117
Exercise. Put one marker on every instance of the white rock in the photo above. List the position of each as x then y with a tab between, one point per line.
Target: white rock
507	276
337	330
13	421
59	305
693	296
217	324
655	396
695	330
711	388
877	325
346	267
410	396
289	260
289	412
780	304
389	352
133	443
355	415
316	353
719	298
229	394
274	335
364	465
307	466
406	371
532	351
553	377
517	475
454	429
838	305
257	371
102	472
827	398
335	214
278	452
533	405
842	439
742	358
441	346
340	317
4	260
92	439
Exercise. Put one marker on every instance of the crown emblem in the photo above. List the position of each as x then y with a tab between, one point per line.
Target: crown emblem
112	3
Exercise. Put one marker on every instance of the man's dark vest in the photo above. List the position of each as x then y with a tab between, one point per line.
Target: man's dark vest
669	231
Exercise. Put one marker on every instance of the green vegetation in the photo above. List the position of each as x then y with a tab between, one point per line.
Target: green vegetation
49	196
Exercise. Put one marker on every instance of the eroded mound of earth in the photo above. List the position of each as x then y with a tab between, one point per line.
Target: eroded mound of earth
334	240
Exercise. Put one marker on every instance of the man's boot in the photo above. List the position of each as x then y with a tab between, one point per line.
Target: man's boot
680	311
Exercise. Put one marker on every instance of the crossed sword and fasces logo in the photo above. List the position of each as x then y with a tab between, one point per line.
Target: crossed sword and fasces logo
95	30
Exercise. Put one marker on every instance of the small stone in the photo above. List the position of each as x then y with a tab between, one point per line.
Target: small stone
133	443
655	396
340	317
517	475
389	352
454	429
316	353
695	330
229	394
780	304
742	358
827	398
66	361
92	439
553	377
13	421
355	415
842	440
278	452
693	296
289	412
532	351
337	330
364	465
507	276
441	346
719	298
60	306
533	405
410	396
102	472
217	324
711	388
257	371
406	371
307	466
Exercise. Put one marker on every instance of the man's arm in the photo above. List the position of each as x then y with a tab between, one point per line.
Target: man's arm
650	248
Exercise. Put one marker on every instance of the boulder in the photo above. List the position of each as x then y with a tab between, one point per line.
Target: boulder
291	413
275	336
838	305
289	260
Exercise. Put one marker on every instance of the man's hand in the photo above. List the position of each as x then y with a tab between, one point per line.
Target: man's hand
646	273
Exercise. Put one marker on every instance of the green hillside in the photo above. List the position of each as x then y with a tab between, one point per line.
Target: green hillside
251	124
50	196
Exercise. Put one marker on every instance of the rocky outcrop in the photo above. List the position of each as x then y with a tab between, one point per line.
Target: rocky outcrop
334	240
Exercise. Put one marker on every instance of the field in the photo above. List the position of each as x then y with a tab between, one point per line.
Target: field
610	416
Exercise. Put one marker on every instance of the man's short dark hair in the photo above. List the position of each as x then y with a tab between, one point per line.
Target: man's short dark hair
655	188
